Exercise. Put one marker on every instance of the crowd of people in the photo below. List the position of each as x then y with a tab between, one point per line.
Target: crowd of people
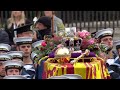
16	43
19	34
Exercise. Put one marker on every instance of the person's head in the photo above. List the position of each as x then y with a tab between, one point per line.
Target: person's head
3	58
105	36
13	67
43	23
49	13
24	44
117	46
24	31
108	40
16	55
19	15
26	34
4	48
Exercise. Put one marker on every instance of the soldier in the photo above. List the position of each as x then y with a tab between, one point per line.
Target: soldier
37	55
3	57
13	67
117	45
105	36
24	44
36	52
4	48
114	68
24	31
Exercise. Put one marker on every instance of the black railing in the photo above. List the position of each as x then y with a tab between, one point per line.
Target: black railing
80	19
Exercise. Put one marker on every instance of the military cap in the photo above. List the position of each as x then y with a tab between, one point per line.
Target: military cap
5	47
13	64
16	54
4	57
37	43
14	77
33	55
23	40
24	28
104	32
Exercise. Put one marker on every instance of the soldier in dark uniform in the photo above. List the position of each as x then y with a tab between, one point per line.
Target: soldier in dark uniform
24	44
105	36
13	67
35	55
24	31
3	57
114	68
